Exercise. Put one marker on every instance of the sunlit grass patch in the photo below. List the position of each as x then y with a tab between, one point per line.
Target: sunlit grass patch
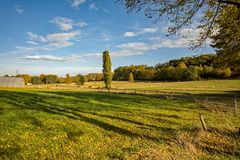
56	124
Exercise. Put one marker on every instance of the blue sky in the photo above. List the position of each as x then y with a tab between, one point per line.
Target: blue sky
69	36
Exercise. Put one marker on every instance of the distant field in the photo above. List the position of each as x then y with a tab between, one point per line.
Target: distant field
71	124
210	86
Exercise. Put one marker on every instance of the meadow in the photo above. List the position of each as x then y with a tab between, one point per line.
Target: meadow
193	87
76	123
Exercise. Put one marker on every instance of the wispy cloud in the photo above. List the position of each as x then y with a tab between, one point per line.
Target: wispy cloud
129	34
153	45
58	40
43	58
34	37
68	58
105	36
26	49
106	10
19	8
56	37
66	24
140	48
93	6
141	32
38	69
76	3
32	43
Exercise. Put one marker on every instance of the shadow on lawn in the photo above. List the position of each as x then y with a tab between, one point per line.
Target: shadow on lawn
85	112
227	95
79	107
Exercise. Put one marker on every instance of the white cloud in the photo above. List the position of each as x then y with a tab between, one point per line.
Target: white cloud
56	37
129	34
60	69
61	44
81	24
140	48
124	53
141	32
76	3
133	45
58	40
148	30
96	54
19	8
26	49
66	24
32	43
105	36
35	37
156	44
43	58
93	6
68	58
117	53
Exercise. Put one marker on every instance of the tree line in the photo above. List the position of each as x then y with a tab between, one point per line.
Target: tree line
52	79
185	69
208	66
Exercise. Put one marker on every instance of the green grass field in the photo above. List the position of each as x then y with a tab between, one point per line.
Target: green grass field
74	124
193	87
210	86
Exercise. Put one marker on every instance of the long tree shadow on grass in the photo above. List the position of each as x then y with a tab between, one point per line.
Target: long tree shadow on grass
88	113
119	100
35	101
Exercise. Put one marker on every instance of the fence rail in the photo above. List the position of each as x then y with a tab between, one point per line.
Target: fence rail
224	102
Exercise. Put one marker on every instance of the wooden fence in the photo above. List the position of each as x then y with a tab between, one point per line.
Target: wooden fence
210	99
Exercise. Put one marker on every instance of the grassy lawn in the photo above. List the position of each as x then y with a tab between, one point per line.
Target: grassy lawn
69	124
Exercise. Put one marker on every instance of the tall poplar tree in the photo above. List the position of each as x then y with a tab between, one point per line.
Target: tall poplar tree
68	78
107	69
130	77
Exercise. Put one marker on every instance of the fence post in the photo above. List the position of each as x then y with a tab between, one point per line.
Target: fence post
157	91
206	99
204	126
135	91
235	102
